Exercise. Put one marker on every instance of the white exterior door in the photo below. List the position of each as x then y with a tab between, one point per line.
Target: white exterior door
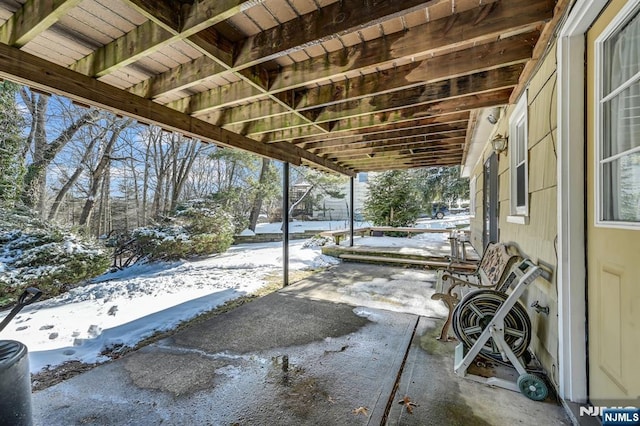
613	205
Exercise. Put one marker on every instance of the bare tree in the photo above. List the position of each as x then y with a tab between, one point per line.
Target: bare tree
184	153
260	193
88	150
99	173
159	168
42	151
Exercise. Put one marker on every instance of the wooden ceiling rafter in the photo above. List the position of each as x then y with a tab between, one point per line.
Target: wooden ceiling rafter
353	141
411	112
201	36
406	148
391	91
380	131
343	86
389	49
435	139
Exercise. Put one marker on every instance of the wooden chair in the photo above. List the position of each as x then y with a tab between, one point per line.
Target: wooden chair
493	269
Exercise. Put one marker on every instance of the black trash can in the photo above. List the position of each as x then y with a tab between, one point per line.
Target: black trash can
15	384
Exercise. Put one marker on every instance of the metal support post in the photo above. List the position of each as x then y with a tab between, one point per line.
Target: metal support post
351	209
285	223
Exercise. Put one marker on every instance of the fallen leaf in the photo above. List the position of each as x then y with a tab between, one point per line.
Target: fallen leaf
408	404
361	410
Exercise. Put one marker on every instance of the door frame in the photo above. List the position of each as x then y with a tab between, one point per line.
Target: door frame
490	203
571	173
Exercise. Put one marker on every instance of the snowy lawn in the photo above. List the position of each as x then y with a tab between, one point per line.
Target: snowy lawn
125	307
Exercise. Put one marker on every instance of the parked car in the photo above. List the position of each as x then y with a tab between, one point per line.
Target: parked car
439	210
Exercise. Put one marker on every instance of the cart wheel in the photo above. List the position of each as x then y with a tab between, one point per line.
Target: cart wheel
533	387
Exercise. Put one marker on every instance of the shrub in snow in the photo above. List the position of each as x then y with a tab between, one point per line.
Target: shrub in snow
197	229
211	229
317	241
35	253
162	243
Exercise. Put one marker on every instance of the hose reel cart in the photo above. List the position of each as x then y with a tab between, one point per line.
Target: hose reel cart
495	326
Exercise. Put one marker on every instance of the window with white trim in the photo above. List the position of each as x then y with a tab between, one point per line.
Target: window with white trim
519	153
618	124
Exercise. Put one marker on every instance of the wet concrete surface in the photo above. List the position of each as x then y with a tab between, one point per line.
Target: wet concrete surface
325	351
438	397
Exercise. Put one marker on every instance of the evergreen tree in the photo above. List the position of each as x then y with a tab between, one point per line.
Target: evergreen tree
441	184
393	199
11	145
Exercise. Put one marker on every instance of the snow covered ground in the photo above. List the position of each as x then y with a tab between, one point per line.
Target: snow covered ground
124	307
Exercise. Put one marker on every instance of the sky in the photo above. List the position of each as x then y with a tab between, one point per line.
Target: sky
127	306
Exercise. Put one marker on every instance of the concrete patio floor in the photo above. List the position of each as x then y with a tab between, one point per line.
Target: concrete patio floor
344	347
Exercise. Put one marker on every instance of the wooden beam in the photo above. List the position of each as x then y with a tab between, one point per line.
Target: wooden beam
380	131
471	125
433	146
219	95
469	71
123	51
319	146
31	70
406	166
422	41
300	134
212	43
391	163
541	47
459	86
336	19
162	29
512	17
265	108
435	139
165	12
183	77
454	158
514	49
202	14
205	38
269	124
406	157
480	82
464	103
314	159
33	18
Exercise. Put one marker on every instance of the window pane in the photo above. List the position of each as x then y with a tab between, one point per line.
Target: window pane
621	191
622	55
622	122
521	192
520	145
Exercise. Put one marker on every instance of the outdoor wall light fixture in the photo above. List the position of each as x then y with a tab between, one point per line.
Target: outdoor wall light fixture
499	143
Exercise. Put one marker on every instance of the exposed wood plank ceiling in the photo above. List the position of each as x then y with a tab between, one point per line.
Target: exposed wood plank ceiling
346	86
